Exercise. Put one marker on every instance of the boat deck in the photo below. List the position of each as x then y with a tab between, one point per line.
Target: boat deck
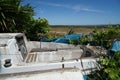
56	74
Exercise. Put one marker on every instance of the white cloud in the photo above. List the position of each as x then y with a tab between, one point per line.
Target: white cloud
73	7
54	4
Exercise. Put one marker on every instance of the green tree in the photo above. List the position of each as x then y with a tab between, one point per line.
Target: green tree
14	16
24	18
7	9
39	26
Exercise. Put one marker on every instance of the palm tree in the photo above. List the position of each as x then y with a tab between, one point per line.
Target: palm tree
13	16
7	10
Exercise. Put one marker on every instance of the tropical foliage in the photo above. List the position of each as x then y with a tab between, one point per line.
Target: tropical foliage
15	17
7	10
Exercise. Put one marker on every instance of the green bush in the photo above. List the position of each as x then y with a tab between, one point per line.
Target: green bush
104	37
109	70
39	26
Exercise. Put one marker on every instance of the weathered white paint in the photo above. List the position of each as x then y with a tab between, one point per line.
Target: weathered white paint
10	52
57	56
68	55
64	74
28	67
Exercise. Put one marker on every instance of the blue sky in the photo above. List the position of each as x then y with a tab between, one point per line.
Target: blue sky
77	12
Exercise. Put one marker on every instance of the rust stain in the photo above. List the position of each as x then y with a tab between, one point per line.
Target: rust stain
4	50
35	57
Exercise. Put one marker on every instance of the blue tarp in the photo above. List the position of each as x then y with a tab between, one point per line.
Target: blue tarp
62	40
45	40
72	36
66	38
116	46
85	77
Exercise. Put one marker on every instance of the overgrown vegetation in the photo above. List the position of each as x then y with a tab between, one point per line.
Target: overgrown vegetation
103	37
38	28
109	70
109	65
15	17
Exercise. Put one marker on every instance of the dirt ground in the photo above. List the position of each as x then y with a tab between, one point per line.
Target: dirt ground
64	30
